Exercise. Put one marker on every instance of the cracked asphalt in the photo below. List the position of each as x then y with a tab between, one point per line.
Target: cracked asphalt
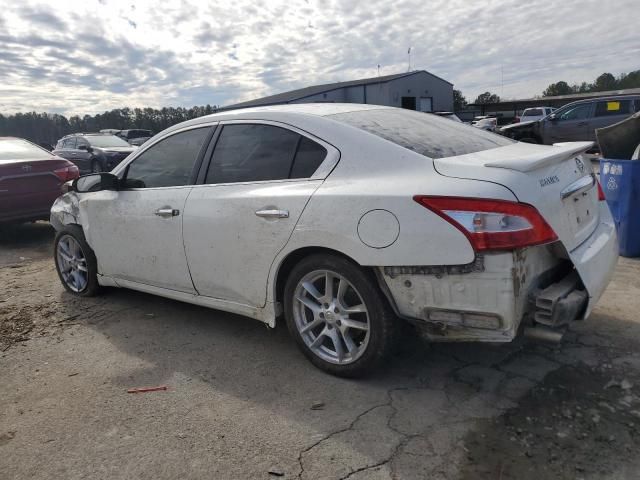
242	402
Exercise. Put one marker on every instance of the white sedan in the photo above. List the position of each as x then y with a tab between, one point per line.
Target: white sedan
347	219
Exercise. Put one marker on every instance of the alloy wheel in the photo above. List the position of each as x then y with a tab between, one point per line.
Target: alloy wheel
331	317
72	263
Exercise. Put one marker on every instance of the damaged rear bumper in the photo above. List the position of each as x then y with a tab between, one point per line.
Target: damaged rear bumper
544	286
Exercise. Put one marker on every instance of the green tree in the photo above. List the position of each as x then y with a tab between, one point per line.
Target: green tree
558	88
604	82
459	102
487	97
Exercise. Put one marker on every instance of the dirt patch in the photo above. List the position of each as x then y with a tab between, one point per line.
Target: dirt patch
579	422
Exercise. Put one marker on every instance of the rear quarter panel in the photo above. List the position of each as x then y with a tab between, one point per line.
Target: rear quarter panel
374	174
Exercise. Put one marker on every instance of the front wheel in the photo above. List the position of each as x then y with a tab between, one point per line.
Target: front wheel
337	315
75	262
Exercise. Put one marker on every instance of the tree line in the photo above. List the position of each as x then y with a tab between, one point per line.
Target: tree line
48	128
603	83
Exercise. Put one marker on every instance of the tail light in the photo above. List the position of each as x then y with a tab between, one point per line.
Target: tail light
67	173
492	224
601	197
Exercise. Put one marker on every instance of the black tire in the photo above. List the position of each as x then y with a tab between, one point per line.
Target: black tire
382	321
92	287
96	167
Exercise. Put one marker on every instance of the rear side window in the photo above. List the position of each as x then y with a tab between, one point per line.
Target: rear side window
17	149
308	158
255	152
426	134
69	142
610	108
168	163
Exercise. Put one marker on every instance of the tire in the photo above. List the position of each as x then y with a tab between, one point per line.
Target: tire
75	262
96	167
329	329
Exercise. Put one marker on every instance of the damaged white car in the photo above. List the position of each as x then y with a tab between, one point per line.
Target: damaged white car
347	219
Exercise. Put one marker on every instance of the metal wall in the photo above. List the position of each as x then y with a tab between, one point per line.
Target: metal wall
420	85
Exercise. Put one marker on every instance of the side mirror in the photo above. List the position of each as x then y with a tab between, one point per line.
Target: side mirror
95	182
86	148
552	117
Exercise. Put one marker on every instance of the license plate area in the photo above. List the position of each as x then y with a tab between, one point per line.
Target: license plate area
582	213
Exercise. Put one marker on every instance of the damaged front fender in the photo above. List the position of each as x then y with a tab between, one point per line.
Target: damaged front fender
65	211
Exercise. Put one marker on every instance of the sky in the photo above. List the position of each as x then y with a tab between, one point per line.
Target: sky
88	56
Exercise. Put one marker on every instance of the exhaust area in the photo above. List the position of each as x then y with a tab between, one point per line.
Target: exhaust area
543	334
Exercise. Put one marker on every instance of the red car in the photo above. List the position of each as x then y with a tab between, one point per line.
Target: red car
31	178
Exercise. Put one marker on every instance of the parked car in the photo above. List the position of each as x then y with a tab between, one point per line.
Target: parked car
535	113
575	121
30	180
93	152
347	218
135	137
485	122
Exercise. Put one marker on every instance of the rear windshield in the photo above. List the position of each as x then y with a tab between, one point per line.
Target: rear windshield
426	134
533	112
17	149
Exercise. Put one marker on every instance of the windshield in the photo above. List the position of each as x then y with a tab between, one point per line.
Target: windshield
429	135
18	149
105	141
533	112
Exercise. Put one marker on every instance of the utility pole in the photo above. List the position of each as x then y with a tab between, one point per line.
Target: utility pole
409	53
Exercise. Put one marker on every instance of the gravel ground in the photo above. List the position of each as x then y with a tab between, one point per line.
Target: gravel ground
243	403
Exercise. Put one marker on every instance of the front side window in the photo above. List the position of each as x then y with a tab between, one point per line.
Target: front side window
168	163
579	112
256	152
610	108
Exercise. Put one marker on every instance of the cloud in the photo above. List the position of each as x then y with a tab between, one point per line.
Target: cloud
86	56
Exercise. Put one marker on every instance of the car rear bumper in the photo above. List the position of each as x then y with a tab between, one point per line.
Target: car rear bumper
488	300
596	258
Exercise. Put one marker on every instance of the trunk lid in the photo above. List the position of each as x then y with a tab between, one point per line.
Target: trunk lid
556	180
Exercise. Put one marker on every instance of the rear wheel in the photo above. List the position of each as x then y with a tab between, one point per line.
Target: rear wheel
75	262
337	315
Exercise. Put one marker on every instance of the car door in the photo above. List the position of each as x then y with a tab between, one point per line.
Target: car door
258	182
569	124
136	232
608	112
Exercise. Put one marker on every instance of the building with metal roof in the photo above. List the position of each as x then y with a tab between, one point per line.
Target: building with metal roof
417	90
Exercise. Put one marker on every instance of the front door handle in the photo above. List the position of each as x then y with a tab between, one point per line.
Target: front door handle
167	212
273	213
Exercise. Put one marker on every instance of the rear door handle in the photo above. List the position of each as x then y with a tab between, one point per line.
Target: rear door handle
167	212
273	213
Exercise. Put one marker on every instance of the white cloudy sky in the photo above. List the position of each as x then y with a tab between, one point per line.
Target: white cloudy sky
88	56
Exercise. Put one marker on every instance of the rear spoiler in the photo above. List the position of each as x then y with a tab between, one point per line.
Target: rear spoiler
556	154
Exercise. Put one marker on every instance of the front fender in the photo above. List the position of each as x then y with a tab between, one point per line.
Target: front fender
65	211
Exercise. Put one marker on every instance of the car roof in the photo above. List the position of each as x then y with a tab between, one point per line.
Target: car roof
279	113
604	99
